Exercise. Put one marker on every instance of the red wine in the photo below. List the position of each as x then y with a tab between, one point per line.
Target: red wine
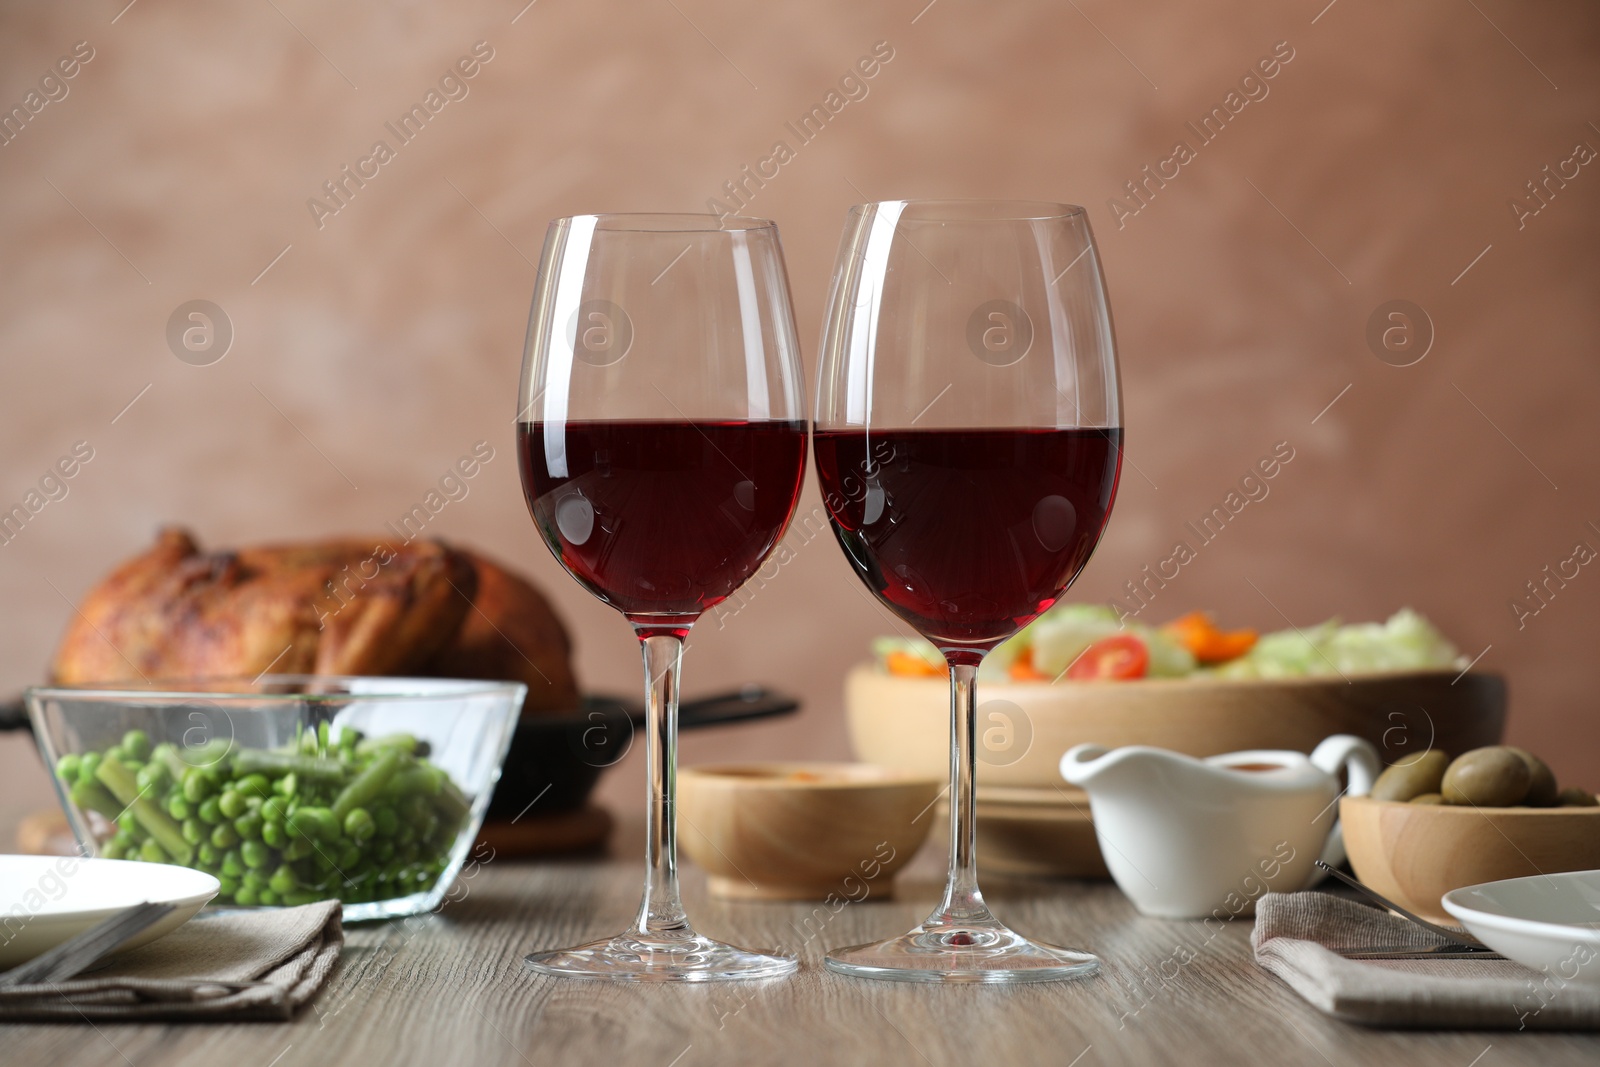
968	535
662	520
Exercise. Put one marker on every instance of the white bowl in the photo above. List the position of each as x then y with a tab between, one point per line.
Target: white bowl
1550	922
44	900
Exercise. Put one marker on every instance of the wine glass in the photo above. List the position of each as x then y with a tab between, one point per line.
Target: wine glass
968	441
661	439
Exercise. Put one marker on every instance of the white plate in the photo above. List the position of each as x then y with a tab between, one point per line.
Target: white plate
44	900
1550	922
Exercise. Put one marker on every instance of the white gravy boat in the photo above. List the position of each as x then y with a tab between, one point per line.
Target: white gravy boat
1188	838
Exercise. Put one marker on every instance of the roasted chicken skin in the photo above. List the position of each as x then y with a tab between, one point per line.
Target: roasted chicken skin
342	606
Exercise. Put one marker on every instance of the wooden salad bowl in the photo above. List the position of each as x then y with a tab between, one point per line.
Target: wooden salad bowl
1024	727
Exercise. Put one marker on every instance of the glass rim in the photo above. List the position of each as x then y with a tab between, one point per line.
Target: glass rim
241	689
669	222
976	209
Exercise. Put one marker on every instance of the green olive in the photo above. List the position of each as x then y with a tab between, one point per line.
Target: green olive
1428	798
1542	789
1411	776
1494	777
1573	797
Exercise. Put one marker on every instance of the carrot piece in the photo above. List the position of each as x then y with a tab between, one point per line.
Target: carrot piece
906	665
1196	632
1023	670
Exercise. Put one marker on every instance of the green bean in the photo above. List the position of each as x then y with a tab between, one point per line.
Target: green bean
160	826
368	784
261	761
322	736
388	822
373	746
415	781
111	849
453	804
94	797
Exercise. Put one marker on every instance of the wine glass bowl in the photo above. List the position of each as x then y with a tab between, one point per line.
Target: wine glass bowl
661	440
968	442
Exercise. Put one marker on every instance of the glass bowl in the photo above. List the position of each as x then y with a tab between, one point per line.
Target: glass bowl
287	788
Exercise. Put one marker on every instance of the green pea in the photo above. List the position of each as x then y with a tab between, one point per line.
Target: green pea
194	831
298	848
112	849
127	823
314	823
349	857
283	880
254	880
210	811
151	852
274	834
232	865
178	807
67	767
268	898
298	897
359	825
275	809
124	840
383	852
136	743
88	763
224	836
255	785
230	886
255	854
152	776
249	825
197	784
288	784
208	854
245	897
231	804
322	736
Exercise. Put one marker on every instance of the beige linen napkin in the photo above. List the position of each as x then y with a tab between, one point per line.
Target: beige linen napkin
218	966
1292	930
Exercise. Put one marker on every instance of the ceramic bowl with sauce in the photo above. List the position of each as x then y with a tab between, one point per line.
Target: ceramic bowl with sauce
803	831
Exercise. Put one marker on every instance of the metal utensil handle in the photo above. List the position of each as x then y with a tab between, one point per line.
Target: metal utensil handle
1445	932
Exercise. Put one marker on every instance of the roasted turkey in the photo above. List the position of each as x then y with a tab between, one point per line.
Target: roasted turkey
345	606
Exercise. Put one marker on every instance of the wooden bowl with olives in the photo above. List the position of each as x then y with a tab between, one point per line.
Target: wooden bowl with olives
1433	824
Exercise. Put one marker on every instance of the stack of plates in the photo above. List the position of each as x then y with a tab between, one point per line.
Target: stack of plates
1037	833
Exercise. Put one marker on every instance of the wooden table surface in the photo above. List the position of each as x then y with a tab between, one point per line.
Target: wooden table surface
450	988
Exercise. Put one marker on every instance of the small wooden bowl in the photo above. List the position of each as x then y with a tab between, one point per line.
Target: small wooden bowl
803	831
1024	727
1416	853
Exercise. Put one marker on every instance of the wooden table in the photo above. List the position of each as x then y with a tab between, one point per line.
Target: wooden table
449	989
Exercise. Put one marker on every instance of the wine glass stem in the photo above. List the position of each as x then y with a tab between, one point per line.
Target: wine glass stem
963	901
661	911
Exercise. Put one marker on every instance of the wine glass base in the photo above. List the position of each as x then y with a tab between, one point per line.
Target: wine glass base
634	957
968	952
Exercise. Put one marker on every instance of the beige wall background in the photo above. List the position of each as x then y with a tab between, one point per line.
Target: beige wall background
371	351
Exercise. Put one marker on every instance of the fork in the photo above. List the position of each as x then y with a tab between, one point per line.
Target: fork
1462	944
77	953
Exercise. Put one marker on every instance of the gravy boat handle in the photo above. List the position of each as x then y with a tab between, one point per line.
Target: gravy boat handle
1359	760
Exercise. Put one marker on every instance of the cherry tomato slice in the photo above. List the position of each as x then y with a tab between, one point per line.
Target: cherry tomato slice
1120	657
